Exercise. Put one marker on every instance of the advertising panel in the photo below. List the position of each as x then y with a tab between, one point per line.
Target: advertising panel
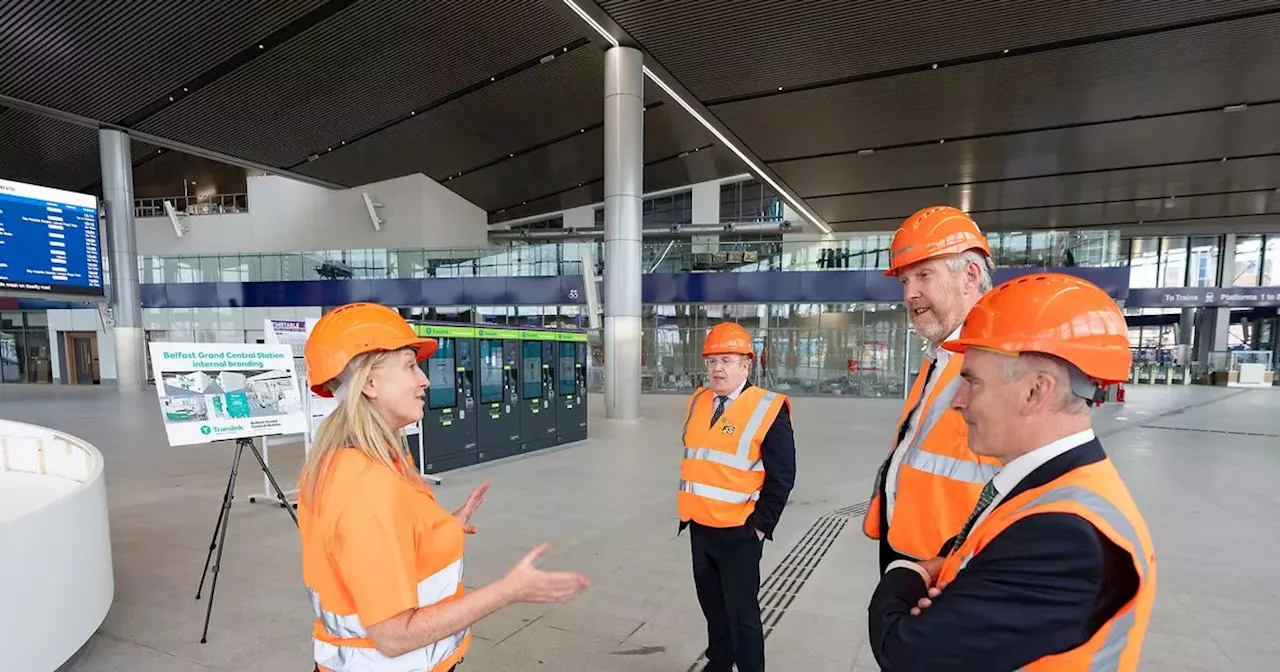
223	391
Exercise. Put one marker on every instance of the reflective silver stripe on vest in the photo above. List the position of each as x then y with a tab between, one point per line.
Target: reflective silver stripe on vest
359	659
940	465
431	590
949	467
1107	657
717	493
721	457
741	459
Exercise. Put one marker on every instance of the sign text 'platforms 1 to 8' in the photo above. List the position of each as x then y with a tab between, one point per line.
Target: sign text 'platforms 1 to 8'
49	241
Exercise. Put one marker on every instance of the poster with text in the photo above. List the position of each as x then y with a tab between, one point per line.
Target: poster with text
224	391
294	333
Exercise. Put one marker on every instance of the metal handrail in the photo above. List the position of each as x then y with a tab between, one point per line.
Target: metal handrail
209	204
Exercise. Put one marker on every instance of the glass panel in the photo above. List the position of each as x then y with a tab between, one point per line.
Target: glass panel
1144	257
1173	262
1203	262
490	371
440	371
1271	265
1248	266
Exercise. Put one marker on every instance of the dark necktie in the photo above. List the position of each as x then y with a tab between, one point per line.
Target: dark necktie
720	402
984	500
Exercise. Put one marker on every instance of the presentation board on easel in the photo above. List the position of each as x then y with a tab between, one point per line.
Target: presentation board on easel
212	392
226	391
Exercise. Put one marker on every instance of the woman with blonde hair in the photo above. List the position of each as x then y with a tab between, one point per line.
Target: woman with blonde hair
380	557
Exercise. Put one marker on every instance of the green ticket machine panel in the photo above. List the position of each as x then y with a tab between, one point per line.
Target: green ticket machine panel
571	386
538	426
499	403
449	424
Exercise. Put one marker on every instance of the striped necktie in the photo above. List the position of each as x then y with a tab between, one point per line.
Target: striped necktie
984	500
720	402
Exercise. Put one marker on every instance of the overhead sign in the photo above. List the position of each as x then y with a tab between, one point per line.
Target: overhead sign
220	391
49	241
1195	297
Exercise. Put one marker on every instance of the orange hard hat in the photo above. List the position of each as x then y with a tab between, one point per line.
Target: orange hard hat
349	331
1052	314
935	231
728	338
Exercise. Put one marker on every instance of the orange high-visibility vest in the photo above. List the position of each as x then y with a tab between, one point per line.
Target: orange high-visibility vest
722	472
1096	493
374	545
939	477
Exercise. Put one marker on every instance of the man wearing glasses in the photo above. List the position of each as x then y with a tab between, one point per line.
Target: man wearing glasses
738	469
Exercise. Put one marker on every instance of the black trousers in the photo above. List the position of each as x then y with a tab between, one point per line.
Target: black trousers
726	572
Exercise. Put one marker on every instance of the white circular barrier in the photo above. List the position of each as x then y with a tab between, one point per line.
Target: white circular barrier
56	578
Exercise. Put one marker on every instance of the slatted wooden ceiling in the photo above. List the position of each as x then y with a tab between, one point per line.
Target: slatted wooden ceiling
1095	108
1097	112
344	91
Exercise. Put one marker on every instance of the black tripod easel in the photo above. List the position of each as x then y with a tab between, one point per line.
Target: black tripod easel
224	516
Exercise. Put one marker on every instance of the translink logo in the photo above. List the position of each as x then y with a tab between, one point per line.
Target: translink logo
207	430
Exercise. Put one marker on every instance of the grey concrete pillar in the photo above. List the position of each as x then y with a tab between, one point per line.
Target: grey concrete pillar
623	196
117	193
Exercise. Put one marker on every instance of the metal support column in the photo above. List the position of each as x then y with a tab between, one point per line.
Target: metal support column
623	196
117	192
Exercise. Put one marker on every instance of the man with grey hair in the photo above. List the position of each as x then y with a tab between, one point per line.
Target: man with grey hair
1054	566
930	480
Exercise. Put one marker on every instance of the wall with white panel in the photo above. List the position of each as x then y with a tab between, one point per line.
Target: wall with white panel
287	215
176	325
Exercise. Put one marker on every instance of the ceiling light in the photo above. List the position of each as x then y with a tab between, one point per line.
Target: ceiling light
935	66
779	88
1006	51
866	152
1236	108
592	22
793	201
261	47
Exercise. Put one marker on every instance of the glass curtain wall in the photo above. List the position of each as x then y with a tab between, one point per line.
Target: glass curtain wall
840	349
25	356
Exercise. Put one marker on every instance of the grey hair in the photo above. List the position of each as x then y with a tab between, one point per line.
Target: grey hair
1068	400
959	262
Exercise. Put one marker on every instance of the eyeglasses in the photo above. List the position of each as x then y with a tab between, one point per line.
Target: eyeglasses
722	362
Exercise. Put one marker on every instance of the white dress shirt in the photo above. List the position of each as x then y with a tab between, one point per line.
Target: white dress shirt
1010	476
728	399
941	356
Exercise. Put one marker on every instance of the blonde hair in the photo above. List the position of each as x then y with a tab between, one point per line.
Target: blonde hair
356	425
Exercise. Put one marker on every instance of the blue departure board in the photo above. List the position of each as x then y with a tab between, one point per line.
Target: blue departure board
49	241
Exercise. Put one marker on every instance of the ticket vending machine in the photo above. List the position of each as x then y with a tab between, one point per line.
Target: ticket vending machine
571	384
538	407
449	427
498	413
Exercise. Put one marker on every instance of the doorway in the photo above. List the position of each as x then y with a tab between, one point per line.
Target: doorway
82	358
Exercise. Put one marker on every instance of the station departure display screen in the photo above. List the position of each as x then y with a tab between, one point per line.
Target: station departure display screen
531	381
49	241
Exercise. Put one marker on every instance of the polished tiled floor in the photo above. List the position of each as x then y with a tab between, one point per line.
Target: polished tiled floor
607	508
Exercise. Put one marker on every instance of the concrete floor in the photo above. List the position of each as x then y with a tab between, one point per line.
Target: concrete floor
1202	463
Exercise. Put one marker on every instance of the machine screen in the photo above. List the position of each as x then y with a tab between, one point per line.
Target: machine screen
531	380
490	371
440	371
568	382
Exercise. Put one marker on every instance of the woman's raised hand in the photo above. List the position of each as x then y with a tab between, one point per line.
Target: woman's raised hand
527	583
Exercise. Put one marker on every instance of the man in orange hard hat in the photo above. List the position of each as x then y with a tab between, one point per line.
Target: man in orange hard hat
1053	568
738	469
930	480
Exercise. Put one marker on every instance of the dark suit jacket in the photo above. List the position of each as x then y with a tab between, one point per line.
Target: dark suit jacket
778	452
1043	586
